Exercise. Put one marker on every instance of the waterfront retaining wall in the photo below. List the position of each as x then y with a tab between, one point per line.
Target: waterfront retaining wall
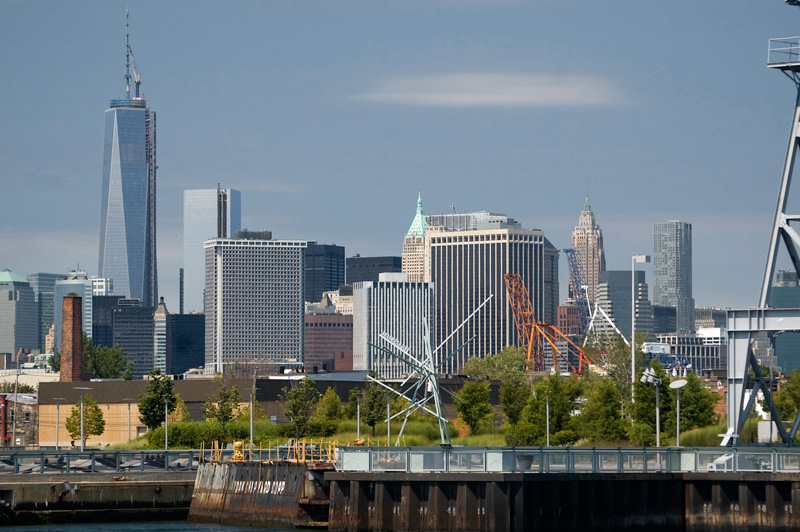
490	502
66	497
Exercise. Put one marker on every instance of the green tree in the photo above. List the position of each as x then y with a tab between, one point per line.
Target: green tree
618	361
643	410
329	407
513	398
181	413
55	362
473	407
600	418
787	398
697	405
105	362
8	387
93	422
300	401
562	393
152	403
373	405
508	365
221	407
244	413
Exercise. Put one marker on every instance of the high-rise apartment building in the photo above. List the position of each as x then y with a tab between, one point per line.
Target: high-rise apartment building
254	303
44	286
587	241
18	317
614	297
207	214
128	208
395	306
672	271
324	265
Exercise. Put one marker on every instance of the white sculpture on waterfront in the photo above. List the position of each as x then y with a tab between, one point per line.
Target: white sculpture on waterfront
426	389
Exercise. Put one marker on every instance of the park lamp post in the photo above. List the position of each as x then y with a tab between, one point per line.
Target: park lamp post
651	377
58	417
634	260
677	385
82	437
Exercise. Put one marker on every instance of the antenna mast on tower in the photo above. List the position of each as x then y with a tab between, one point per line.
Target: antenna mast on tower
127	59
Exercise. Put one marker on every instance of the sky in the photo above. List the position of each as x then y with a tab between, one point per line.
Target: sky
331	116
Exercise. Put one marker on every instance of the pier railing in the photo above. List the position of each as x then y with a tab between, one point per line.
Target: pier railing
567	459
96	461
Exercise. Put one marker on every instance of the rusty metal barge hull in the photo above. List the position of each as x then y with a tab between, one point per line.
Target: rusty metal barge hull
261	493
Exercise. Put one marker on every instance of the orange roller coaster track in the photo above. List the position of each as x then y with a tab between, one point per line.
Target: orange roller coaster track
536	335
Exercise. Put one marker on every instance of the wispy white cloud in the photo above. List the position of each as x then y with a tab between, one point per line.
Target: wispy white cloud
497	90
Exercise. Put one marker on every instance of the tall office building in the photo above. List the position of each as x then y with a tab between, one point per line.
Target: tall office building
672	271
468	254
587	241
133	328
18	316
614	297
185	342
328	338
395	306
160	337
359	269
79	284
207	214
128	208
254	303
44	286
324	264
414	246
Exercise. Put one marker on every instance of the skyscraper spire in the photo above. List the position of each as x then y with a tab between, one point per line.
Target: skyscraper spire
127	58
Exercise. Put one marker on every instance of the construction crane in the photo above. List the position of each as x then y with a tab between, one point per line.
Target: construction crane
535	336
578	286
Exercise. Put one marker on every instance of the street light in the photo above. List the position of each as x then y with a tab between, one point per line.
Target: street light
634	260
128	399
547	416
651	377
677	385
82	437
58	418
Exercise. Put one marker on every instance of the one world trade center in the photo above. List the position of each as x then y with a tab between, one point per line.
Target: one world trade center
128	209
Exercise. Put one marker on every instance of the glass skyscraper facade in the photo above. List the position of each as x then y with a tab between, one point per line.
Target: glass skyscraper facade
128	209
207	213
672	271
44	286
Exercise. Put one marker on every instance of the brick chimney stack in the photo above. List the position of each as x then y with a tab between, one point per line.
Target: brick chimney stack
71	347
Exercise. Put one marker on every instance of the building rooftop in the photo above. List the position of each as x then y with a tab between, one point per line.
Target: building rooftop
8	277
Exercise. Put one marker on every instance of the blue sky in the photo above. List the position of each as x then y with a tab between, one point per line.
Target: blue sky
328	116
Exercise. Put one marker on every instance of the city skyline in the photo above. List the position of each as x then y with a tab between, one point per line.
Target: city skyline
357	129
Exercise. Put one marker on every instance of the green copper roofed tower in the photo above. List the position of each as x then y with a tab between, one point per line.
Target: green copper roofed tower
128	209
414	246
418	226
